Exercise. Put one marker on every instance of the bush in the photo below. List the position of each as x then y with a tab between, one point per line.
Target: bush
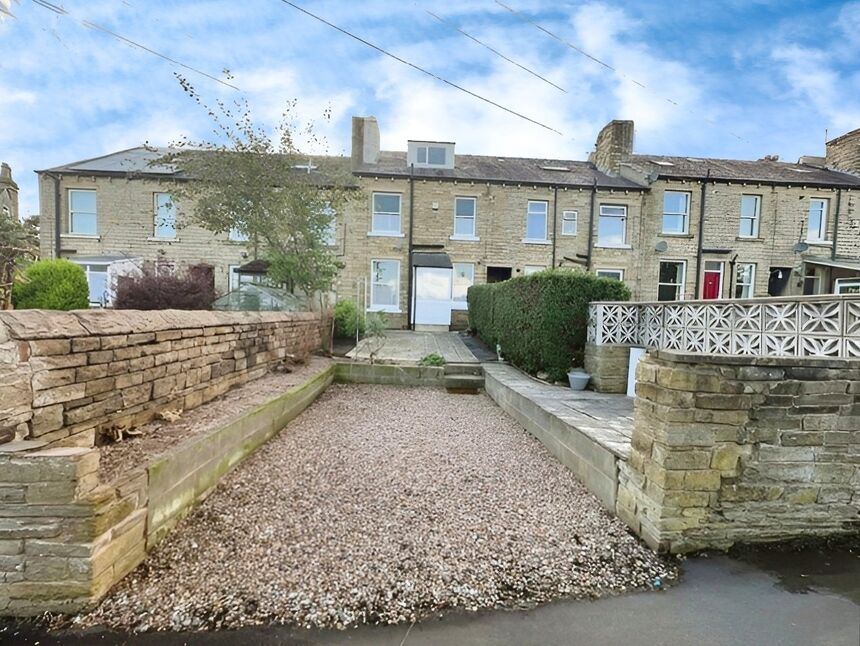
347	319
52	285
540	321
432	359
193	289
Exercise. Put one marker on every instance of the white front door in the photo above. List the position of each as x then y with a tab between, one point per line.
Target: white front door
432	296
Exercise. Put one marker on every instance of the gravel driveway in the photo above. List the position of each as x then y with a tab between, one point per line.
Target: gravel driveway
383	504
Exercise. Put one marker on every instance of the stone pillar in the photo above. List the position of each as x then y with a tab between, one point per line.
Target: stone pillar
607	364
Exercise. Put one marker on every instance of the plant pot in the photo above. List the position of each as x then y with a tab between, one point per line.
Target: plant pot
578	379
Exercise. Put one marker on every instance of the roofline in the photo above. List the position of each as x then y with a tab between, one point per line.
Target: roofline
111	173
63	167
843	136
404	175
767	182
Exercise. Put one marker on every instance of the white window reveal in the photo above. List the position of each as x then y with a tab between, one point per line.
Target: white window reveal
464	218
745	280
165	216
847	286
237	235
528	270
464	278
82	212
97	280
330	233
612	226
750	212
385	285
386	214
670	282
614	274
568	223
676	212
817	226
430	154
536	217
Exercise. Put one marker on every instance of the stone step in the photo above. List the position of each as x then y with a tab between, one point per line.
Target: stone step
464	369
467	384
431	328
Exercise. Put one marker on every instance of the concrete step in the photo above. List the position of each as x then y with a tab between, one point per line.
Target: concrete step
466	384
464	369
432	328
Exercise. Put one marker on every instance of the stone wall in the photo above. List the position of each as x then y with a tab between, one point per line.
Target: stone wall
68	376
608	365
844	152
732	449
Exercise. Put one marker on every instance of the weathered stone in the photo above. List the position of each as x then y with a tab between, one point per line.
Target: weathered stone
45	347
725	456
702	480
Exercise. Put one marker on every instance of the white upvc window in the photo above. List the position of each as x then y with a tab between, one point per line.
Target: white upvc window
670	281
237	235
464	278
528	270
384	285
750	215
82	212
97	281
816	230
568	223
330	233
536	218
386	214
614	274
612	226
165	216
676	212
431	155
465	212
745	280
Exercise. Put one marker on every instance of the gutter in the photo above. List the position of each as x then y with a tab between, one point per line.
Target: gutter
701	245
591	227
554	223
836	225
410	270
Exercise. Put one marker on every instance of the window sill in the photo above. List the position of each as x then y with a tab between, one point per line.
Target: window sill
388	309
382	234
535	241
819	243
238	241
750	238
676	235
567	235
465	238
613	246
81	236
157	239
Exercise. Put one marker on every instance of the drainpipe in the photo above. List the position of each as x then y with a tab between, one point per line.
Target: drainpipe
701	235
836	225
732	263
591	226
554	223
410	277
57	206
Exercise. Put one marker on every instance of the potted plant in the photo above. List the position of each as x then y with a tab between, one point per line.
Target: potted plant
578	378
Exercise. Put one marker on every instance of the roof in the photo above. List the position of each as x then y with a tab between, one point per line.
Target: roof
744	171
431	259
258	266
852	264
486	168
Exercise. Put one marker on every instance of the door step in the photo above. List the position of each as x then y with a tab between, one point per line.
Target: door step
464	369
464	384
431	328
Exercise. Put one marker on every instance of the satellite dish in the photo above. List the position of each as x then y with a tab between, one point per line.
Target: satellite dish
661	246
800	247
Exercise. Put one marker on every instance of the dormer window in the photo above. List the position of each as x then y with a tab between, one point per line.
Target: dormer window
431	154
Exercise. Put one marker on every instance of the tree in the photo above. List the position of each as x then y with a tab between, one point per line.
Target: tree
263	186
52	285
19	244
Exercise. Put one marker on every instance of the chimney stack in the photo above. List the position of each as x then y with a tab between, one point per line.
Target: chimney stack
843	153
614	145
365	141
8	192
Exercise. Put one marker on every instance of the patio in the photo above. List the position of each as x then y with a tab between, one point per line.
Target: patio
404	346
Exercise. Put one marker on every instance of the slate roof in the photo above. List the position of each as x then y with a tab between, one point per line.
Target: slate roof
744	170
486	168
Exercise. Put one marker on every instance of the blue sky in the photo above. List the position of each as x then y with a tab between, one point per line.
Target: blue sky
749	77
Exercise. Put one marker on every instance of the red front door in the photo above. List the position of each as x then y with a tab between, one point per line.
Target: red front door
712	286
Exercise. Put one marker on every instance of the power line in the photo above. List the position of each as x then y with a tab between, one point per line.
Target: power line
606	65
60	11
421	69
496	52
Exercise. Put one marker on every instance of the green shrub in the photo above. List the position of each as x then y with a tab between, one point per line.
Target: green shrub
432	359
52	285
347	319
540	321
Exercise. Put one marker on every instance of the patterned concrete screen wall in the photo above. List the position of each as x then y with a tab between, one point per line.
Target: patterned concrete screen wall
813	326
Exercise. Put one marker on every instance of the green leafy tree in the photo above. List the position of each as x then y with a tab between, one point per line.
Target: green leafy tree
52	285
19	244
263	186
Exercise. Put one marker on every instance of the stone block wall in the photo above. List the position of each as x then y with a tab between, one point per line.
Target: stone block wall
607	364
67	376
730	449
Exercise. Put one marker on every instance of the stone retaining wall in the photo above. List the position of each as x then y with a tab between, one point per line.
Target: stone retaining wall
732	449
607	364
67	376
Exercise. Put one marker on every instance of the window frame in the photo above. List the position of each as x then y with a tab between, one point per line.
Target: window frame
88	271
605	270
685	215
545	239
234	235
680	287
756	219
565	219
373	213
72	212
750	284
623	218
473	217
825	213
371	305
157	217
460	303
330	235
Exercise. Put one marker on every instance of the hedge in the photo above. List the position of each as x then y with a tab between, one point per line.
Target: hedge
540	321
52	285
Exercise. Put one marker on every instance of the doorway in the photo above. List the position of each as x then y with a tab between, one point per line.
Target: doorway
433	296
498	274
712	285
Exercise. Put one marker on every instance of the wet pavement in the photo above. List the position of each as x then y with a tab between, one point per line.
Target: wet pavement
763	597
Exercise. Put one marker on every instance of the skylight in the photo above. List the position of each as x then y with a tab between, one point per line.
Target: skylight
558	168
660	162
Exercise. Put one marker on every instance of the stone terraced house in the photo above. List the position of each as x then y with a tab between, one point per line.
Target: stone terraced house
430	222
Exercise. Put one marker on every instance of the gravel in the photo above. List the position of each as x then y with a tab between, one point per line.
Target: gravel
383	504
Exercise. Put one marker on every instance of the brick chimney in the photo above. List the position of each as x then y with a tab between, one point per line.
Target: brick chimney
8	192
614	145
365	141
843	153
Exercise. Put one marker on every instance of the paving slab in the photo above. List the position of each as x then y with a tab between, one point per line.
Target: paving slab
405	346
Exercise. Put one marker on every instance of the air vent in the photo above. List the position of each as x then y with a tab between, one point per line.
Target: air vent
800	170
563	169
662	163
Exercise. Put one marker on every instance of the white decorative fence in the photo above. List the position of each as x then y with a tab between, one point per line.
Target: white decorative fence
806	326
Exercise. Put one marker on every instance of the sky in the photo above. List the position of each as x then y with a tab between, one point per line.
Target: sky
730	79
